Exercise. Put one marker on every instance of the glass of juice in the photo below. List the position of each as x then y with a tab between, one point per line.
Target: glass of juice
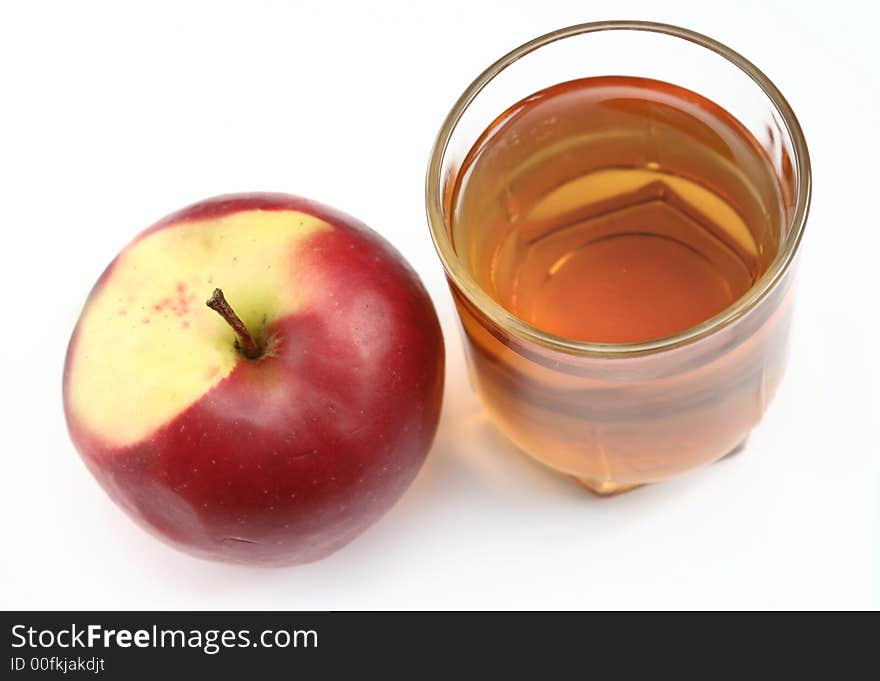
618	208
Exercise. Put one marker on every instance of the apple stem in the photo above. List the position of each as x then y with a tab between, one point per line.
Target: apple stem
246	342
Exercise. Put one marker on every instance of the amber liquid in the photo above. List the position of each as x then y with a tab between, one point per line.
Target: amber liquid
619	210
616	210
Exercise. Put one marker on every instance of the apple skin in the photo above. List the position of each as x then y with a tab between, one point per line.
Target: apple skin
238	478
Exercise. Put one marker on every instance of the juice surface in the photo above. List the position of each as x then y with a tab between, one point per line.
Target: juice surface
616	209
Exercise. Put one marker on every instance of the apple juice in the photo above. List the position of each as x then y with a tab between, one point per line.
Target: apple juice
652	210
620	210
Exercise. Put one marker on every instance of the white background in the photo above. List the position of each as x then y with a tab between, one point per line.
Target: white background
114	114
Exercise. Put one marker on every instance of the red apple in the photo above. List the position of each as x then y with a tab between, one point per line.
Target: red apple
276	427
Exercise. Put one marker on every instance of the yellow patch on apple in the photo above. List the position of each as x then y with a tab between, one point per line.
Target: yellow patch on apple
147	345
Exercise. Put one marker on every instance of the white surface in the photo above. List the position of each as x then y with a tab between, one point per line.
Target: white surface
113	115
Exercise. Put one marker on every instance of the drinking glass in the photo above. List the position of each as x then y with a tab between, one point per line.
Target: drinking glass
619	415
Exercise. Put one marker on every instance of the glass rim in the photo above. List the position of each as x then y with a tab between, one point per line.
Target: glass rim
506	320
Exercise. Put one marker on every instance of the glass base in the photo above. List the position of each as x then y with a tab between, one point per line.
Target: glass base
608	488
736	450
